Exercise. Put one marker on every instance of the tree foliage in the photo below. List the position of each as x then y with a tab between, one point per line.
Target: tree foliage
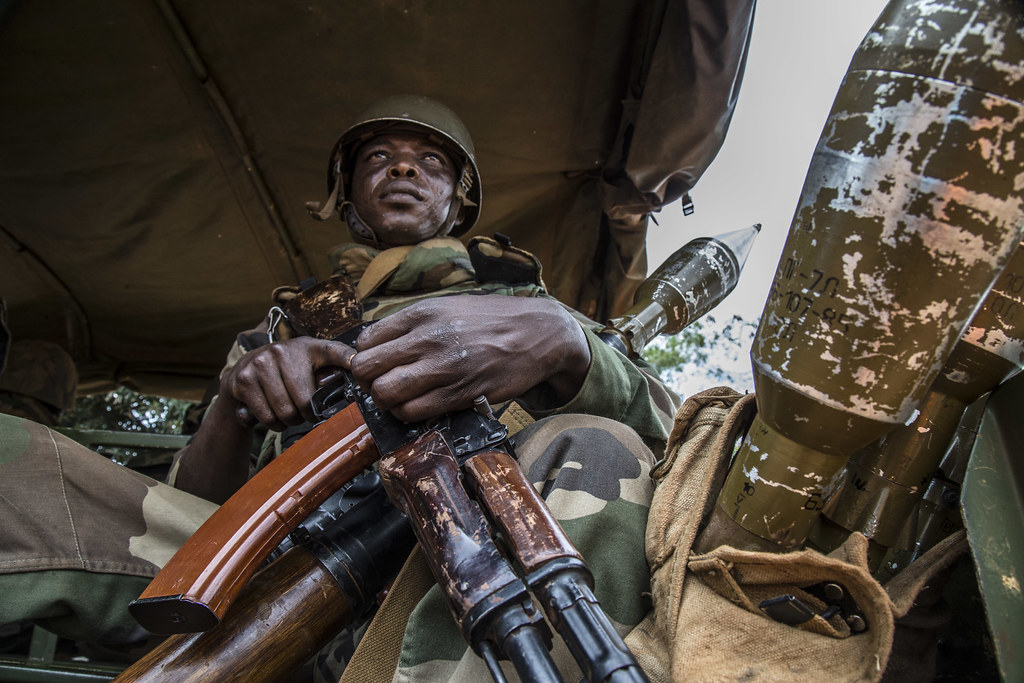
708	352
672	353
123	410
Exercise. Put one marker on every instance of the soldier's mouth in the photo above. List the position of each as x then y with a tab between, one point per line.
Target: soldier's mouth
401	191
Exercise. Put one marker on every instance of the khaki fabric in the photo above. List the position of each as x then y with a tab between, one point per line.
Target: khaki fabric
705	623
384	268
376	657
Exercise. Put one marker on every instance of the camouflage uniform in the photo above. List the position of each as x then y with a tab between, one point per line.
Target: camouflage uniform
82	536
58	501
589	457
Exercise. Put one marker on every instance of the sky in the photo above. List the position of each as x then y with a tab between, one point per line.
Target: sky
799	52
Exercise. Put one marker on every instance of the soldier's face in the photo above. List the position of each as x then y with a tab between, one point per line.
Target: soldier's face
402	187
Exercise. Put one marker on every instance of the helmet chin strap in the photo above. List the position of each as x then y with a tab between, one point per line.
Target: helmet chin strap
359	229
454	209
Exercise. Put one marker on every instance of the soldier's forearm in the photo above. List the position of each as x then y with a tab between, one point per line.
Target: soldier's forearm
215	464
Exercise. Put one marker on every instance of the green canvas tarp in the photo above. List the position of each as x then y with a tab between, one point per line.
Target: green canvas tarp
156	156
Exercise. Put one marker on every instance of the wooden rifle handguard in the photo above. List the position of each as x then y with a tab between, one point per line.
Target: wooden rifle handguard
528	527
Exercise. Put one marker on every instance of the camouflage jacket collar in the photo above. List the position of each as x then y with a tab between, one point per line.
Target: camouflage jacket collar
431	265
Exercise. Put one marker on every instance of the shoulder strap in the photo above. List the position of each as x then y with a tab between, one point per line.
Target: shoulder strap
496	260
376	656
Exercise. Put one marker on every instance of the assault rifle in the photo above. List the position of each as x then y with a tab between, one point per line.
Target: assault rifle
422	468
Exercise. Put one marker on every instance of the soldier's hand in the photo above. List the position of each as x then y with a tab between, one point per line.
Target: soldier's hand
274	383
438	355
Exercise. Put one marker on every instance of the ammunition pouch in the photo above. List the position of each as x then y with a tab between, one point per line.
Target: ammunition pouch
315	309
739	615
494	259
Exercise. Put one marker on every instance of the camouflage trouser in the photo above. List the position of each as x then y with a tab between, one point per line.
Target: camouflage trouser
81	536
593	472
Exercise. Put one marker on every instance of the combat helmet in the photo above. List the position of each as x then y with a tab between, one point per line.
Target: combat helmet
404	113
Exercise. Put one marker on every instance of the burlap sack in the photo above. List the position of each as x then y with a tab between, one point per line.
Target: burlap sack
706	625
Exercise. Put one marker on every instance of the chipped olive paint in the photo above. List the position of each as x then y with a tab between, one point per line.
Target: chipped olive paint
884	481
998	326
775	486
901	228
912	204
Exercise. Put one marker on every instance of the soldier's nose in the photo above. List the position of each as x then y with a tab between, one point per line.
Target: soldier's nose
402	169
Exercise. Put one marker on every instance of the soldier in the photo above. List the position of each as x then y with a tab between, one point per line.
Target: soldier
404	179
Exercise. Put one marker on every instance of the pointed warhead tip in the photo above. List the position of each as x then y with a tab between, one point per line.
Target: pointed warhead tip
740	241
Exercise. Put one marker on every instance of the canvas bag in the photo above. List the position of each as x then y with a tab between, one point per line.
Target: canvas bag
705	624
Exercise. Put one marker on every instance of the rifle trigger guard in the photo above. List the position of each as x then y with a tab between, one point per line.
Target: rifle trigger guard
330	398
